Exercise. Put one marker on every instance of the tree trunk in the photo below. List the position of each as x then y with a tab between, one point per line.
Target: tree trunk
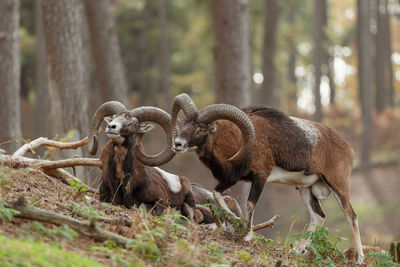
383	52
364	77
271	16
64	26
63	21
164	64
389	99
106	51
327	64
10	66
292	64
232	63
42	102
317	56
232	52
146	90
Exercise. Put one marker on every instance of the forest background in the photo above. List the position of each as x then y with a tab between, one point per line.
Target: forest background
332	61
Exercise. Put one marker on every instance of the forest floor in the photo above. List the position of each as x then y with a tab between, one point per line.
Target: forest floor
168	240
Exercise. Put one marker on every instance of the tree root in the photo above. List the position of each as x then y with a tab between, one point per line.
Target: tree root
90	229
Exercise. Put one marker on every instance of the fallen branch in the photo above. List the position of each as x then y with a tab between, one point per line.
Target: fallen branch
24	162
269	223
89	229
42	141
65	177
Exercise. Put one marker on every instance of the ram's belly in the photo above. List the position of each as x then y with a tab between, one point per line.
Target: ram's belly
282	176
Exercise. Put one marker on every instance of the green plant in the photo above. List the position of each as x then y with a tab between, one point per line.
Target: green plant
78	188
240	225
262	239
379	259
5	181
17	252
216	254
243	255
86	212
148	244
6	214
63	232
322	247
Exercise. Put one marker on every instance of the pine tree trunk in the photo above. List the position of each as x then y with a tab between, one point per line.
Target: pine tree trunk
232	52
146	90
269	94
106	51
292	64
42	102
63	20
10	67
364	77
164	66
317	57
232	63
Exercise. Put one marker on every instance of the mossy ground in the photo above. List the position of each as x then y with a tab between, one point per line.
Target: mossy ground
169	240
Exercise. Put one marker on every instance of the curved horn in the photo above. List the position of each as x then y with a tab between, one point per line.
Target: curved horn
184	102
162	118
107	109
238	117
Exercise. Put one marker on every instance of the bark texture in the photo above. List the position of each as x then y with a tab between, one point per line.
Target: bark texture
42	102
106	51
232	64
271	15
164	65
364	77
383	52
232	52
63	20
317	56
10	66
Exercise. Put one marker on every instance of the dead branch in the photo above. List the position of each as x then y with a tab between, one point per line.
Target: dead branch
24	162
90	229
65	177
42	141
269	223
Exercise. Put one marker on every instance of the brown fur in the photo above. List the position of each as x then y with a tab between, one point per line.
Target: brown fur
138	184
279	141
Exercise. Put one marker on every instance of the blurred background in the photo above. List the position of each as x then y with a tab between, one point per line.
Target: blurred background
337	62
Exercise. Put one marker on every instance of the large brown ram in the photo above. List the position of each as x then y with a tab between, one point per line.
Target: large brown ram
127	180
269	146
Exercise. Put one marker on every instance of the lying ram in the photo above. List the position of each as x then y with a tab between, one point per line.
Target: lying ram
275	148
126	178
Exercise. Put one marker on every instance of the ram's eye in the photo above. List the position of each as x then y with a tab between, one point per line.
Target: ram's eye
202	131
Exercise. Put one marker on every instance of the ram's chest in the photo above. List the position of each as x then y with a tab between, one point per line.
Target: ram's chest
120	153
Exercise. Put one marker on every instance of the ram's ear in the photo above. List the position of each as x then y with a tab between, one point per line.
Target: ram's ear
212	128
107	119
145	127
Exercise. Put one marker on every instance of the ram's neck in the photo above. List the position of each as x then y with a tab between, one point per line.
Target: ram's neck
225	142
219	147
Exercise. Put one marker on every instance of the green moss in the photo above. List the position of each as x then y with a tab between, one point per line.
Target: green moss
16	252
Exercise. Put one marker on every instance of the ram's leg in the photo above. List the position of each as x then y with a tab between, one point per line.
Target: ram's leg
344	202
316	213
257	187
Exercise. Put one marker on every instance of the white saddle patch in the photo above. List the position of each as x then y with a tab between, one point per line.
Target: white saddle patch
309	130
282	176
172	180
